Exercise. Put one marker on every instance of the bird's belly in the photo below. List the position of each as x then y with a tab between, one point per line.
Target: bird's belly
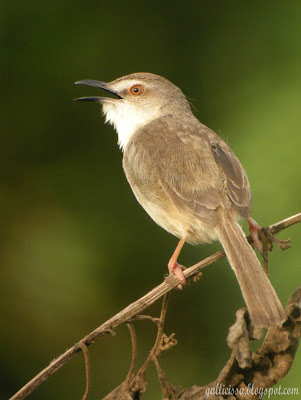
180	223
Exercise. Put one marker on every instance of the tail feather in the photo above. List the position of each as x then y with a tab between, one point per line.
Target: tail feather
263	304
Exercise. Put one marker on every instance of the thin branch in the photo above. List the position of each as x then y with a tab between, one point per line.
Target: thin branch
131	311
84	349
279	226
158	338
124	388
169	391
141	317
134	351
265	248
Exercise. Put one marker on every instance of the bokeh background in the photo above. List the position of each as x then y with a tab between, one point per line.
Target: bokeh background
75	245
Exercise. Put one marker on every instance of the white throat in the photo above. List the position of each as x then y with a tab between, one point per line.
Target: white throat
126	119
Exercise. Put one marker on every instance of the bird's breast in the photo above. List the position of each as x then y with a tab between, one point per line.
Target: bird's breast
146	183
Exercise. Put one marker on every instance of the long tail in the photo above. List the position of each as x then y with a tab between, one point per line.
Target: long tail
263	304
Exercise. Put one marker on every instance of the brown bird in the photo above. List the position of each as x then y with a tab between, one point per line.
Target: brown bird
187	179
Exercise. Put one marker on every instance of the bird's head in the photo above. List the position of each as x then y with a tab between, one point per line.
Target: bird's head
136	100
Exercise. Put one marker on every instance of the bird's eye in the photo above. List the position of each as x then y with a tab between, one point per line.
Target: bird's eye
136	90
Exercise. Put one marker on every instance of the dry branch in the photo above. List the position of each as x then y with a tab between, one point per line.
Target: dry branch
130	312
135	384
261	369
246	375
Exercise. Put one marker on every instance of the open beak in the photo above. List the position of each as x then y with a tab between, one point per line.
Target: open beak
102	85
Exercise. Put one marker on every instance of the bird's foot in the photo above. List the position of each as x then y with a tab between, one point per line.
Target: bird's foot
265	236
254	230
176	269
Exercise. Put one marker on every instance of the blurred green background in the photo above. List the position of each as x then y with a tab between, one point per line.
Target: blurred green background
76	247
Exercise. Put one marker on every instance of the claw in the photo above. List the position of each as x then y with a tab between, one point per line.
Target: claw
177	270
262	253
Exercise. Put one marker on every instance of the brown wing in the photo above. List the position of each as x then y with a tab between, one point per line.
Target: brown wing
206	195
238	188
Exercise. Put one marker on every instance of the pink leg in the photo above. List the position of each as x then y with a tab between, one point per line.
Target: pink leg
254	228
173	266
